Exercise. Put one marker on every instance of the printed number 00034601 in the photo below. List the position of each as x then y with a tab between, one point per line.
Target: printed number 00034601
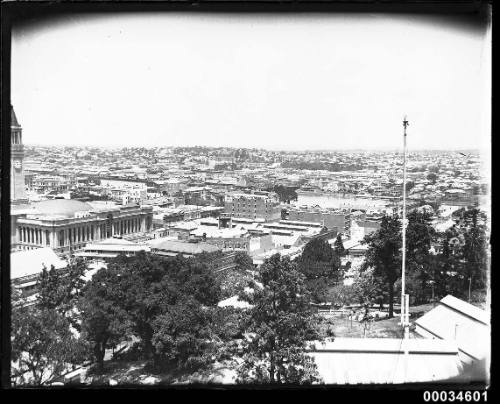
451	396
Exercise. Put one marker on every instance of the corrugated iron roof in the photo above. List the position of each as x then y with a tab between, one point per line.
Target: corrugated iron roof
383	361
457	320
466	308
31	262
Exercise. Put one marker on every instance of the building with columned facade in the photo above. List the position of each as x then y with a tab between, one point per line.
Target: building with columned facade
67	225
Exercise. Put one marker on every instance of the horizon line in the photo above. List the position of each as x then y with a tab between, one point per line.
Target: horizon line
381	149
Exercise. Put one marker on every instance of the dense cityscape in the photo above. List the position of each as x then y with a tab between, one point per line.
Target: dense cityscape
178	265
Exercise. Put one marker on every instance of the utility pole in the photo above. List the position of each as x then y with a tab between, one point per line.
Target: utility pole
404	303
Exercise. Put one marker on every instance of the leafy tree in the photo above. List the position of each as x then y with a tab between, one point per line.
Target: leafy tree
318	250
285	194
409	186
228	323
474	251
420	235
432	177
413	287
142	293
43	345
193	278
369	288
58	289
447	269
233	282
182	336
383	255
149	286
339	246
243	262
279	325
463	260
320	265
103	322
341	294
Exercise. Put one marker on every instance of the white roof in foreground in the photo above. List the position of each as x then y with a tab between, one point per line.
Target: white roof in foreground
31	262
457	320
466	308
383	360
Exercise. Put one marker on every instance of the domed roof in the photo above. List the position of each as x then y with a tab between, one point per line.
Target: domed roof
61	207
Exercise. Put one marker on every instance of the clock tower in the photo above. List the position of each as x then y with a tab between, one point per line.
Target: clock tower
17	182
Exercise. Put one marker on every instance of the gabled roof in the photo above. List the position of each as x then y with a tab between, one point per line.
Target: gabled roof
466	308
454	319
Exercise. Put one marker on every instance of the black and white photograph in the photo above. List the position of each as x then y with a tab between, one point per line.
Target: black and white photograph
248	199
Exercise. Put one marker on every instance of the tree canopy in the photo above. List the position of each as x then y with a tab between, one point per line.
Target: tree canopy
58	289
104	321
320	264
161	301
43	345
383	254
339	246
279	326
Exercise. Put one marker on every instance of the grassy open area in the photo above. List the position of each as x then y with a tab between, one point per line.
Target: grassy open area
343	327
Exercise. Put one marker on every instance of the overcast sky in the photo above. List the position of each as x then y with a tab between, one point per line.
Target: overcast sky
271	81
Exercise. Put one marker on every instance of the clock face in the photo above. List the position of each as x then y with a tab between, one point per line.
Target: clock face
17	164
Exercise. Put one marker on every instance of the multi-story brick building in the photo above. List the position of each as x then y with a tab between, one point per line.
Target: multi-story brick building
331	219
258	205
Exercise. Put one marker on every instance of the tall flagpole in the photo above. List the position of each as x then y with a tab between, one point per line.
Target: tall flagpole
403	295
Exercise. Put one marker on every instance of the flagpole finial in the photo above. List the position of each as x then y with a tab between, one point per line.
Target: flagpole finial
405	122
